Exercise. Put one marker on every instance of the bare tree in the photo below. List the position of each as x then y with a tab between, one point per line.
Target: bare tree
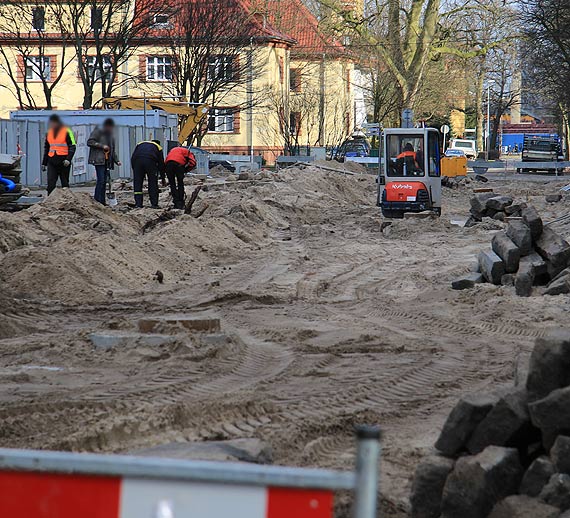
302	114
105	34
409	40
295	110
480	36
29	32
212	47
402	36
381	97
547	53
504	90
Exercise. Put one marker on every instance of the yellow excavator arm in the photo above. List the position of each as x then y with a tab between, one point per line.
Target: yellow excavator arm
189	116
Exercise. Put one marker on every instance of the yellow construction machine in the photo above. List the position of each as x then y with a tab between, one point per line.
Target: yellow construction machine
189	116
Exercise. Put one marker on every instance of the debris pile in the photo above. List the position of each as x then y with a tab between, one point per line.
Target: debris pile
455	182
10	186
505	454
526	254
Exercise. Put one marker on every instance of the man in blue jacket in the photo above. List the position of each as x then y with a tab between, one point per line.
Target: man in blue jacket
147	160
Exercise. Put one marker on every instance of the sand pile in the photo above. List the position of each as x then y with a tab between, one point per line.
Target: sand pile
351	167
328	319
70	248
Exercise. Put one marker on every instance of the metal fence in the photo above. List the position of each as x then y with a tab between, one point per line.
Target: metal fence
28	135
557	167
43	484
284	161
252	163
28	138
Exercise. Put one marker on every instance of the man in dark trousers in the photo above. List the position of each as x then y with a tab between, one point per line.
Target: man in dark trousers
103	155
147	160
59	148
178	161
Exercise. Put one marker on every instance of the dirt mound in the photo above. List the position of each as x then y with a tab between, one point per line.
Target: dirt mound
327	320
351	167
71	248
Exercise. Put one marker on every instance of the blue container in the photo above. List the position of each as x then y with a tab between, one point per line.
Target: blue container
154	118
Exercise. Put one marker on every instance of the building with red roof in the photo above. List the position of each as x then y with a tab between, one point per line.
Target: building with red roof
290	84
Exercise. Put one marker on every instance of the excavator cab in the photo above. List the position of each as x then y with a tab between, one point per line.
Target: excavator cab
410	174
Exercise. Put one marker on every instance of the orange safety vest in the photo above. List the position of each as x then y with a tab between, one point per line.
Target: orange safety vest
58	143
406	154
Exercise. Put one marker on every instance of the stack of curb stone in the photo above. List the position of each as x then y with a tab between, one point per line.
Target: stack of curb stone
505	454
494	206
526	254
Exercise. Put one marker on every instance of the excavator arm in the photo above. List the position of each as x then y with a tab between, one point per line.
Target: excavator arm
189	116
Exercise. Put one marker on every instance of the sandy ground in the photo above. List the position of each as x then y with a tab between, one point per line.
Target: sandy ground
330	321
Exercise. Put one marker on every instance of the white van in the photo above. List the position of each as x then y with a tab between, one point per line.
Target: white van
468	146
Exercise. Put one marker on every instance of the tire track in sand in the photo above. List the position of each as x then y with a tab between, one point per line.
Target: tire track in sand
258	361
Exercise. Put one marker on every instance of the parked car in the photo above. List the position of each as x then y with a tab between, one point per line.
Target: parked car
226	164
455	152
468	146
353	147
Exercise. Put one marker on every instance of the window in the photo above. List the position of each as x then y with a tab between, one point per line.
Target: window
222	68
406	155
38	18
96	18
463	144
433	154
295	80
161	20
38	68
94	68
158	68
221	120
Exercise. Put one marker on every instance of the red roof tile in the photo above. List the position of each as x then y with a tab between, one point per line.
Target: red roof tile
292	17
262	26
252	24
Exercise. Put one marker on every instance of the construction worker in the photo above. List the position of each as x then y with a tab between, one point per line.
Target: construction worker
177	162
147	160
103	155
59	148
407	160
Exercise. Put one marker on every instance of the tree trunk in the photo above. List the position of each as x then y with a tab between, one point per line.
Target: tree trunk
479	111
566	131
87	99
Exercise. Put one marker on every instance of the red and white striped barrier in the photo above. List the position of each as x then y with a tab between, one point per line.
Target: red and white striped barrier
48	495
44	484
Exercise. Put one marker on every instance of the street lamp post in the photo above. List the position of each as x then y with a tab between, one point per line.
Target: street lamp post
488	143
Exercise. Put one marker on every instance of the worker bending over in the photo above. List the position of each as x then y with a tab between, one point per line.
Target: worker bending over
59	148
147	160
178	161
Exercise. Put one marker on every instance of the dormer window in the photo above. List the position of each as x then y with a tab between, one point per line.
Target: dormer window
161	20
